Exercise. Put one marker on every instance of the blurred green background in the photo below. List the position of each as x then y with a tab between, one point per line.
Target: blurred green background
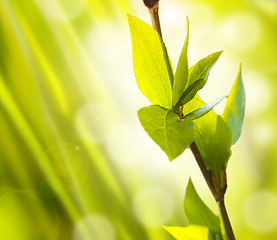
75	162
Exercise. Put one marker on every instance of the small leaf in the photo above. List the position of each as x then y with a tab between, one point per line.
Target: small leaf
198	76
197	212
181	74
235	108
191	232
151	63
166	129
203	110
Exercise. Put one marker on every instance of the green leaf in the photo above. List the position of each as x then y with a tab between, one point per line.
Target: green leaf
166	129
235	108
151	63
181	74
212	136
198	77
197	212
214	140
191	232
203	110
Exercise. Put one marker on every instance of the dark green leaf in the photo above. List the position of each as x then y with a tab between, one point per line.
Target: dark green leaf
181	74
166	129
197	212
235	107
151	63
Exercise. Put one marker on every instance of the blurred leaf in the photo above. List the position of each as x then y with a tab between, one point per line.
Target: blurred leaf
191	232
235	108
151	63
203	110
198	77
181	74
197	212
166	129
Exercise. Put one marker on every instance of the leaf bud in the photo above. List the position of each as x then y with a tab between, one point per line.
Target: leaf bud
150	3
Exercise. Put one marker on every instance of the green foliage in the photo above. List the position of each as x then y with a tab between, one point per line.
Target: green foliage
178	117
181	74
197	212
152	68
164	126
192	232
214	139
198	76
235	107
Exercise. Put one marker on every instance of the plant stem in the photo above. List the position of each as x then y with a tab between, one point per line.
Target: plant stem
225	219
204	170
218	195
154	14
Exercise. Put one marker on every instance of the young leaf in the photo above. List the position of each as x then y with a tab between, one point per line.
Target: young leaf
166	129
151	63
192	232
203	110
197	212
181	74
198	77
214	139
235	107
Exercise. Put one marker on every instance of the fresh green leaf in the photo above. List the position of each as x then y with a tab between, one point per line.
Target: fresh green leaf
198	76
197	212
181	74
151	63
203	110
192	232
212	136
172	134
214	139
235	107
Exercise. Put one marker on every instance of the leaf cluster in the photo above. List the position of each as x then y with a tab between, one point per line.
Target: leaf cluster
178	117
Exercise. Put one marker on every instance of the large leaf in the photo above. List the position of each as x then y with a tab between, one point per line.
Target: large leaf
166	129
181	74
235	107
198	76
197	212
151	63
214	140
191	232
212	135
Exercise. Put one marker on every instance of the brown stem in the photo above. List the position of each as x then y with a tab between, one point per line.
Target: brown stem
225	219
154	14
205	172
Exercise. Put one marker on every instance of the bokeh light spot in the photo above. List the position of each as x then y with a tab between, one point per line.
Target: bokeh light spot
95	227
128	145
263	133
260	211
258	93
153	206
241	31
93	122
70	168
61	9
